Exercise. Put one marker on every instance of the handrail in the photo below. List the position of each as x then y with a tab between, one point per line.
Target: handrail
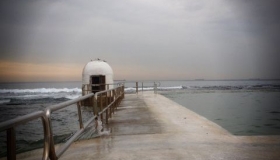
68	143
117	93
11	124
98	85
20	120
155	85
67	103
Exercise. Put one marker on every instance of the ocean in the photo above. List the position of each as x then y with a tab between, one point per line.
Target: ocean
243	107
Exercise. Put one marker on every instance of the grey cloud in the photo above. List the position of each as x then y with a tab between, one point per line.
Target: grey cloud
209	37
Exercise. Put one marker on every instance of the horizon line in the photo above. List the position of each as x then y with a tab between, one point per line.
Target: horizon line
124	80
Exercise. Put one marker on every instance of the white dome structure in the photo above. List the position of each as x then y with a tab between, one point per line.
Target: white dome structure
96	75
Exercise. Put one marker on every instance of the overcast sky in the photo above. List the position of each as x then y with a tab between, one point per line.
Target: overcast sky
140	39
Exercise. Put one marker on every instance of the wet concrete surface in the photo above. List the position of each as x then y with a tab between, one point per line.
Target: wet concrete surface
133	117
148	126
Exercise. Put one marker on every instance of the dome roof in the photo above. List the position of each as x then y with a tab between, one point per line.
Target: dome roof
97	67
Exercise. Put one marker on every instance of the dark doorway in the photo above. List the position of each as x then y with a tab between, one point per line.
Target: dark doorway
98	83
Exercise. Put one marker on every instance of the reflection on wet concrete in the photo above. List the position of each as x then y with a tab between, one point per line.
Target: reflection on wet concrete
133	117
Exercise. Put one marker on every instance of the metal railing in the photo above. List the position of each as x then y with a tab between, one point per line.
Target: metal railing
10	125
88	88
140	85
111	97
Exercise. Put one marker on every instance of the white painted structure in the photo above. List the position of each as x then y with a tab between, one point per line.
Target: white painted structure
97	72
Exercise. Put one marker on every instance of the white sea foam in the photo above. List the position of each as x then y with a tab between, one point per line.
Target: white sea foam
41	90
130	89
72	96
5	101
170	88
39	93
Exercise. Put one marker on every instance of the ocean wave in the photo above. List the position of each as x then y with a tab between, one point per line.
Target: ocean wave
15	101
30	99
170	88
2	101
152	88
9	96
72	96
41	90
211	87
244	87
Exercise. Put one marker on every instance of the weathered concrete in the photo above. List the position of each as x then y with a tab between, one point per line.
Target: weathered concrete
153	127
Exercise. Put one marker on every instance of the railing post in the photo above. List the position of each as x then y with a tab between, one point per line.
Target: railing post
80	115
47	137
155	88
110	101
101	106
106	104
52	154
137	87
94	105
11	144
123	90
118	98
114	99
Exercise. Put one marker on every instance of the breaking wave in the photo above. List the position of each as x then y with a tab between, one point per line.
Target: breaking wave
41	90
26	96
131	89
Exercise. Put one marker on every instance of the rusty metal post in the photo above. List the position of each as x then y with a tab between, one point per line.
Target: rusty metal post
114	96
11	144
110	101
52	154
101	106
47	138
107	117
106	104
94	98
80	115
123	91
115	106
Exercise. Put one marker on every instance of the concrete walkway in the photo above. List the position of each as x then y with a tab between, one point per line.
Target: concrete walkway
153	127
